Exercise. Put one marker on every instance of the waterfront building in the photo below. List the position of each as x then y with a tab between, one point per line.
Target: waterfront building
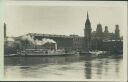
77	42
71	42
96	40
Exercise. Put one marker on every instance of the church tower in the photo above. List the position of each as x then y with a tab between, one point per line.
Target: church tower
87	34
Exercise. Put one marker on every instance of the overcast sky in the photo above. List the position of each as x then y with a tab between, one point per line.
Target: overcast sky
64	20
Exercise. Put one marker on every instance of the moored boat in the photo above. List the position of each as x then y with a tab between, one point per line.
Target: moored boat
100	53
44	52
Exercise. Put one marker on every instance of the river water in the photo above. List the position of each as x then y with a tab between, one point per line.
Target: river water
63	68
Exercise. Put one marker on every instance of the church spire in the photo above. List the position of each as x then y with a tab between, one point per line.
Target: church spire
87	20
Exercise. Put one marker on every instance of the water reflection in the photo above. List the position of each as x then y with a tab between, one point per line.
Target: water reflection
88	69
73	67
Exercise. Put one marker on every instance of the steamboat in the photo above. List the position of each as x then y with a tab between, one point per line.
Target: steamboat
43	52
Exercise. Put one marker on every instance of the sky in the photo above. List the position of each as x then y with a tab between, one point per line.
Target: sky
60	19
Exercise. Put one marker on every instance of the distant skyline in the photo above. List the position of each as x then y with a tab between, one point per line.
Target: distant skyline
63	20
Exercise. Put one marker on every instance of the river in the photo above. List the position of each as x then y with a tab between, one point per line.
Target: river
63	68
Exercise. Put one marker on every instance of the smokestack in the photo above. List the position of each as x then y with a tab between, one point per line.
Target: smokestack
4	30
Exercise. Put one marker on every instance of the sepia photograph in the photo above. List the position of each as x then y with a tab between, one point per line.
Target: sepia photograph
64	41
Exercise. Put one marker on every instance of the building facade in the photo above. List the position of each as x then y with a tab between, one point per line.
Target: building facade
96	40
